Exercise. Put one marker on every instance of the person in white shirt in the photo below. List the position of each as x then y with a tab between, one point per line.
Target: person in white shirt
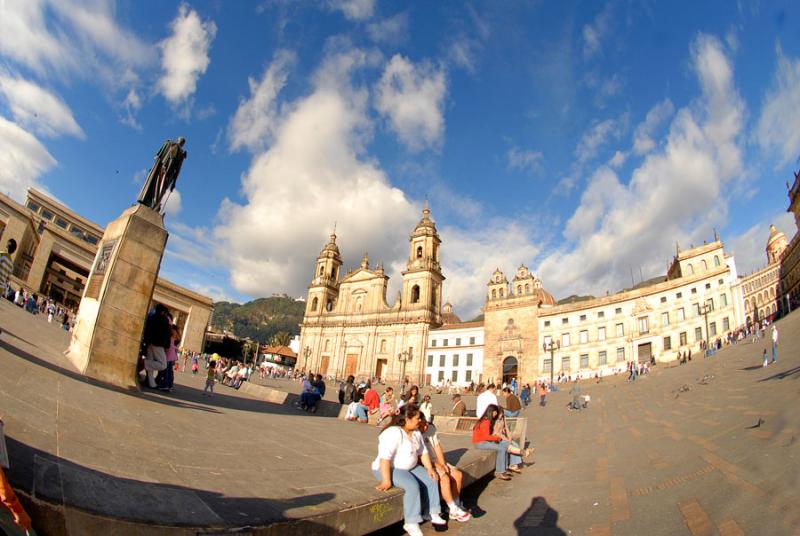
486	399
450	478
400	448
774	343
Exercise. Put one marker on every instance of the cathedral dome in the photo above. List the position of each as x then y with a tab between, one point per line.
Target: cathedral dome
448	316
546	297
776	244
426	226
330	246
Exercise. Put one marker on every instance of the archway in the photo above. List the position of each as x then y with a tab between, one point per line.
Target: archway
510	369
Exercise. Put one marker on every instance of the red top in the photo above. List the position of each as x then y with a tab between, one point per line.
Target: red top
371	399
481	432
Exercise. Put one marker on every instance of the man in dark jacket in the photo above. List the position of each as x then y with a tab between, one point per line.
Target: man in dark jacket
348	391
157	332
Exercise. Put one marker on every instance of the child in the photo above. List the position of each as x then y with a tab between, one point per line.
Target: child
766	361
194	365
387	405
210	378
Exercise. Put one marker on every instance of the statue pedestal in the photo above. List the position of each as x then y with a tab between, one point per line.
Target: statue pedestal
107	335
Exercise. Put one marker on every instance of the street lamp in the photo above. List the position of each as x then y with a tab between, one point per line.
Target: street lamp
704	310
344	358
306	353
404	358
551	347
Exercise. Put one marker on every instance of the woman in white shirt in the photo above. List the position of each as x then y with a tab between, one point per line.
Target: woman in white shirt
400	448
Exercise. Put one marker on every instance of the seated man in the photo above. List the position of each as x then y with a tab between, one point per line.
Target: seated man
459	408
450	478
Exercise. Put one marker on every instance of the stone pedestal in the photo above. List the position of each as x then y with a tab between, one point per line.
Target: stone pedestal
108	331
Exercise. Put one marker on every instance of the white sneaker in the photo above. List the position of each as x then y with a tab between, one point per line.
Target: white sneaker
460	515
437	519
412	529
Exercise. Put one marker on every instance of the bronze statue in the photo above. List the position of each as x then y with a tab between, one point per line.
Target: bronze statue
163	175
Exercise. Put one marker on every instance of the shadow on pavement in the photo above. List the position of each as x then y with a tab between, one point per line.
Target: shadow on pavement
26	341
54	482
539	519
181	397
792	372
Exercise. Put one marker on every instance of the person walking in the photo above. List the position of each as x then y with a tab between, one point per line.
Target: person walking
543	394
774	343
210	378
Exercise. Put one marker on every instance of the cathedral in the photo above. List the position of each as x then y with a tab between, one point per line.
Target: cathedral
349	327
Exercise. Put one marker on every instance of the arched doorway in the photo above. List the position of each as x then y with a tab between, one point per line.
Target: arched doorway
510	369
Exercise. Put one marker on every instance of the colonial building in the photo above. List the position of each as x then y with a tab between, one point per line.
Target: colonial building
55	251
455	351
790	262
691	304
350	328
761	290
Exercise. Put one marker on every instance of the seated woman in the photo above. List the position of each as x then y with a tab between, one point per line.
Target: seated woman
514	460
387	405
369	404
450	478
484	439
352	407
411	397
313	391
400	449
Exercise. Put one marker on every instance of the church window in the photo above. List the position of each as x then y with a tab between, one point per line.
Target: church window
705	265
527	288
716	260
333	273
314	304
329	306
383	346
501	293
327	344
321	270
691	269
415	294
519	289
419	252
494	293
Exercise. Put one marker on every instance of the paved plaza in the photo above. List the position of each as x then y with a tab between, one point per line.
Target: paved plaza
676	452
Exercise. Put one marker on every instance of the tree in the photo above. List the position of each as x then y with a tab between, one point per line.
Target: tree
281	338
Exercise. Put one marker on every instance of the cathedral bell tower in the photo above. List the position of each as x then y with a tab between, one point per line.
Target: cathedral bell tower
324	288
422	279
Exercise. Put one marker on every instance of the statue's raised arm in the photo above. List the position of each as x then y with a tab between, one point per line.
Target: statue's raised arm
163	175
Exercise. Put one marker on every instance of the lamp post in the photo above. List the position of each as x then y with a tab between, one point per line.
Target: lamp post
306	353
404	357
344	358
551	347
704	310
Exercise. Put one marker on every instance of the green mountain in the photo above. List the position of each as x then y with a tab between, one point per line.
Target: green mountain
260	319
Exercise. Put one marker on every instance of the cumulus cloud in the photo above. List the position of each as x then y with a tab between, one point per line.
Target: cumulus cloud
470	255
677	193
599	135
777	130
314	173
253	124
749	248
22	159
173	206
184	54
358	10
595	32
411	97
391	31
131	106
37	109
524	160
643	135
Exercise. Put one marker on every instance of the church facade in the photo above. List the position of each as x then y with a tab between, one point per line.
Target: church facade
349	327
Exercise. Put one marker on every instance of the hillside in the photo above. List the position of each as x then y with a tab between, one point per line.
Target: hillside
260	319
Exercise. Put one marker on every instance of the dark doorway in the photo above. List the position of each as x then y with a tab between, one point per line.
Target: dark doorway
645	352
510	369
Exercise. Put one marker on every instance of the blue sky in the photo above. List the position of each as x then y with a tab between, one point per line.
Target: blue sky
582	139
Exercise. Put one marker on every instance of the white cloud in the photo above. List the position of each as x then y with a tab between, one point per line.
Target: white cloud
618	159
131	105
391	31
173	206
185	55
749	248
677	193
524	160
777	130
469	256
643	135
37	109
599	135
22	160
312	175
596	32
254	122
358	10
412	98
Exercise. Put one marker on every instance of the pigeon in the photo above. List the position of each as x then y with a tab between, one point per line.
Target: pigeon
757	425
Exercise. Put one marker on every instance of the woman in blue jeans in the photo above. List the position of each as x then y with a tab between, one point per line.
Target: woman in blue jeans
400	449
484	439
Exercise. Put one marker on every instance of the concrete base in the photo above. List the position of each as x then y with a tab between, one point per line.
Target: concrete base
105	343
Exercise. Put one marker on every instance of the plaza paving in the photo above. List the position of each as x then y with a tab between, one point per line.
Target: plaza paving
645	459
179	459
